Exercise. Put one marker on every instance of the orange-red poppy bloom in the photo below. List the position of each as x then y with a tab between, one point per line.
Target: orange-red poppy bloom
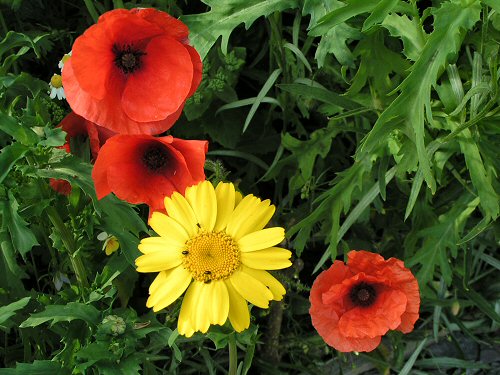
76	126
132	71
146	169
353	305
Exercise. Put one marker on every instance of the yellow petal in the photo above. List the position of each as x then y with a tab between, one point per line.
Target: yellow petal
179	209
158	261
169	288
248	207
158	282
204	203
239	316
152	244
251	289
268	280
252	219
274	258
238	197
261	239
167	227
111	245
189	302
219	301
225	204
201	314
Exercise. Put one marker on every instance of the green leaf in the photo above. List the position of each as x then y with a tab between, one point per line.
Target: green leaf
379	13
64	313
321	94
446	362
340	15
8	157
336	39
22	237
262	93
10	310
224	16
409	31
411	361
481	179
12	127
452	20
36	368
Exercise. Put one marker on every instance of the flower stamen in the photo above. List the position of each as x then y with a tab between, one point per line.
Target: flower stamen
211	256
127	58
363	294
155	158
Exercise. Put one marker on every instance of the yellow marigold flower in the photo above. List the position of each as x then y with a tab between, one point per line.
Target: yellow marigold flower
213	245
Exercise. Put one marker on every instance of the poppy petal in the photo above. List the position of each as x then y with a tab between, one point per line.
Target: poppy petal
166	63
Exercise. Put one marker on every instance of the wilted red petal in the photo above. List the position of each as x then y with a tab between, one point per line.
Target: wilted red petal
166	67
61	186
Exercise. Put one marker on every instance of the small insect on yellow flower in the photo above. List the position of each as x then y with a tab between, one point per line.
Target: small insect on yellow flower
213	244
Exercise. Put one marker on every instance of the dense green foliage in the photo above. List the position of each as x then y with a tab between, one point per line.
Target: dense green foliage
371	124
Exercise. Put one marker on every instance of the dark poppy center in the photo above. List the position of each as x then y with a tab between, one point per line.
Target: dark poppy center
128	58
155	158
363	294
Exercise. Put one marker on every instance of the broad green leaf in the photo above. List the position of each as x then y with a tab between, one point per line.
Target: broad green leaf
379	13
409	31
8	157
22	237
63	313
493	4
452	20
340	15
20	133
224	16
10	310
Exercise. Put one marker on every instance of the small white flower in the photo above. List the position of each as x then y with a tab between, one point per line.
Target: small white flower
56	87
63	60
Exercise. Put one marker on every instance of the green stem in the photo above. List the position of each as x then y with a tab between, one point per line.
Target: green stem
69	243
92	10
118	4
233	355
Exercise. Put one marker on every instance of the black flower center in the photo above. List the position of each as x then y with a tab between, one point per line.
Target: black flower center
363	294
155	158
128	58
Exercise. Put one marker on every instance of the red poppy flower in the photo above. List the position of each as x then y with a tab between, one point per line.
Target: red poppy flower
59	185
146	169
75	126
132	71
353	305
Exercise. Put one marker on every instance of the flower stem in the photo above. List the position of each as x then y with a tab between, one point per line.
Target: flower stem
92	10
118	4
233	355
69	243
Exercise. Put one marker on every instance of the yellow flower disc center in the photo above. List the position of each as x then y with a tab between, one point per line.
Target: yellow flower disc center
211	256
56	81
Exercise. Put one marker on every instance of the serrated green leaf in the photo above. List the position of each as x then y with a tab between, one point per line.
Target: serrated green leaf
224	16
379	13
63	313
340	15
411	33
451	22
